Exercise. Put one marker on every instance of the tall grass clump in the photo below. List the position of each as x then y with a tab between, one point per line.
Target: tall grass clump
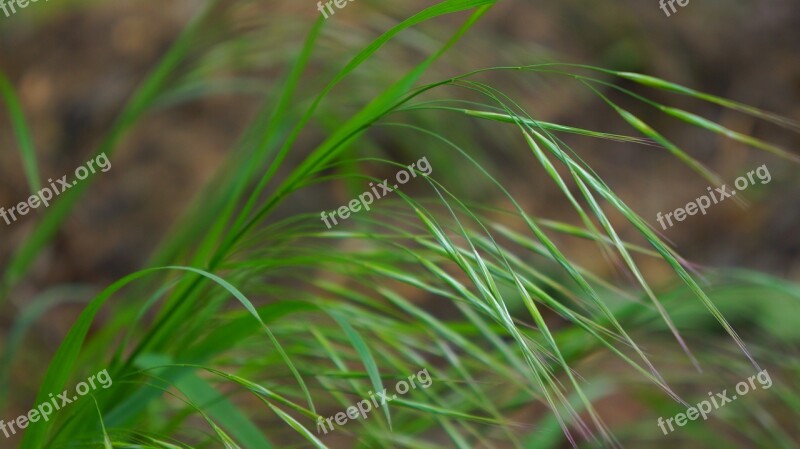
251	319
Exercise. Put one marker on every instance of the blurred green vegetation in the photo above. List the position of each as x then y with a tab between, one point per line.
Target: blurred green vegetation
523	275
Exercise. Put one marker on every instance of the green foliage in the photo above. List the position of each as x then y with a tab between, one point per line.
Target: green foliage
488	301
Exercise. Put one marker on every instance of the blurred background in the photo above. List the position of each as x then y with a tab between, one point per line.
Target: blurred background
74	64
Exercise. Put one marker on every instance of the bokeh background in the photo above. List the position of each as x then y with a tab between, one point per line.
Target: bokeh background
74	65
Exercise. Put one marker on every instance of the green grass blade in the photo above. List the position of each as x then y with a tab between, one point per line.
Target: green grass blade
24	140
